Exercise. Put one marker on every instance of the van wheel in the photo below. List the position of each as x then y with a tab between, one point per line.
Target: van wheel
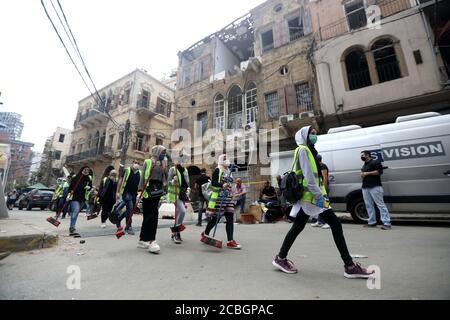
358	211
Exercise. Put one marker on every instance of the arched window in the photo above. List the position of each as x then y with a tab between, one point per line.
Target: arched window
358	74
251	103
386	60
235	108
219	113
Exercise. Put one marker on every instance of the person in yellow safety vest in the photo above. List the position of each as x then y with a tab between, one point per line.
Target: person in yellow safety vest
178	192
313	202
128	191
155	171
221	201
62	200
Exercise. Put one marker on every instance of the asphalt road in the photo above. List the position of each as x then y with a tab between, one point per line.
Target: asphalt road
413	260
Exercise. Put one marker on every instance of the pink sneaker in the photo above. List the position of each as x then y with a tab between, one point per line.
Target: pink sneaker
357	272
233	245
284	265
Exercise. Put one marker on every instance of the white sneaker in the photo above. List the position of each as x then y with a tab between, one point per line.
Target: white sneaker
154	247
325	226
316	224
103	226
143	244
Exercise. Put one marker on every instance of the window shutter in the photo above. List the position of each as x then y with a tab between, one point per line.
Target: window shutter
169	109
291	100
307	22
282	102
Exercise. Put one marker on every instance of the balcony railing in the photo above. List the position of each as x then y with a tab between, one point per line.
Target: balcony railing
388	71
97	114
345	25
151	109
360	79
91	155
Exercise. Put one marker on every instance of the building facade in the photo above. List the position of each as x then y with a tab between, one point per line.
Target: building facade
20	164
377	60
60	146
11	122
100	130
247	89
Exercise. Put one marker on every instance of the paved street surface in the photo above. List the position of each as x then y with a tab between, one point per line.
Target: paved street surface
413	261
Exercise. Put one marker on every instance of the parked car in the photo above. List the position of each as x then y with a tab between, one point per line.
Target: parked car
40	198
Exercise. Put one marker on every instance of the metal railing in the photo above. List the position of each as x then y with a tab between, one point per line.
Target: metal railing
92	154
388	71
162	110
356	20
360	79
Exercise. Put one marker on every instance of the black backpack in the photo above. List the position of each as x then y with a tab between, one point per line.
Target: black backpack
291	188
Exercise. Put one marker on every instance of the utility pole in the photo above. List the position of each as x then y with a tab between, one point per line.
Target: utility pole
126	143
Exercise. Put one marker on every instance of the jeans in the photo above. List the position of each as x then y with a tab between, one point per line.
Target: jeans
201	204
375	195
239	203
74	211
180	212
129	201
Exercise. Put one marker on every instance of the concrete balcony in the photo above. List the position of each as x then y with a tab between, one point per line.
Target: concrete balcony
103	154
93	118
145	108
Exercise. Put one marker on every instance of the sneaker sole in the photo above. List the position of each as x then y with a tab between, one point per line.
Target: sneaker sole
234	248
356	276
142	247
154	252
282	269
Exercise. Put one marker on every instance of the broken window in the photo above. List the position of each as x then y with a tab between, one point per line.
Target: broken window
57	155
357	70
251	104
126	97
304	97
144	100
295	28
272	105
61	138
187	77
355	11
386	60
202	121
139	144
219	113
204	69
161	106
235	108
267	41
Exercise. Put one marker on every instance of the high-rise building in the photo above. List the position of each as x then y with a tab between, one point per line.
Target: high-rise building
11	122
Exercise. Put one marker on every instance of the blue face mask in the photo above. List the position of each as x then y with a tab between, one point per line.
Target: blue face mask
313	138
161	157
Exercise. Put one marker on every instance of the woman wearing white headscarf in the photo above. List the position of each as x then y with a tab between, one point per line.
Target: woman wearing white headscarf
154	170
221	201
313	203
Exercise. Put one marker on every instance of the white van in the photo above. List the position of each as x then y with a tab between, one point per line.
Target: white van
415	150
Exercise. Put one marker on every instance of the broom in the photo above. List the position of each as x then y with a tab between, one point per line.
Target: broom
212	241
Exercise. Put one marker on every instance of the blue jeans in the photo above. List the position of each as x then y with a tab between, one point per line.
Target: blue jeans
129	201
241	203
74	211
375	195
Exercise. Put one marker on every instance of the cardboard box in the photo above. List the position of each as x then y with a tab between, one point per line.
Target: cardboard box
257	212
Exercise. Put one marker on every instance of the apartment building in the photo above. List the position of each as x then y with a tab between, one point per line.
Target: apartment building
376	60
19	170
100	129
247	88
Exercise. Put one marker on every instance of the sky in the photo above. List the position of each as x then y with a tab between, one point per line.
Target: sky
37	78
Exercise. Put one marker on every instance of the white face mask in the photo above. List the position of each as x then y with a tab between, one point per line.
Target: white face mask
226	163
135	166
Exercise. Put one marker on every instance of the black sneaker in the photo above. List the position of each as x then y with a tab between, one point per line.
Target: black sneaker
370	225
177	238
386	227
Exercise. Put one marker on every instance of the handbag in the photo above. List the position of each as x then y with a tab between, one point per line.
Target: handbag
155	189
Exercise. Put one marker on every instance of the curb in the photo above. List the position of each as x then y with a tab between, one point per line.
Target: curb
28	242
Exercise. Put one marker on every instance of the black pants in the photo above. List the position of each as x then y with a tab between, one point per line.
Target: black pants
107	207
150	208
229	226
336	228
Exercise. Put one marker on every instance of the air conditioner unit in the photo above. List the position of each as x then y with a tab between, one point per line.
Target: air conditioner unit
250	127
305	115
285	119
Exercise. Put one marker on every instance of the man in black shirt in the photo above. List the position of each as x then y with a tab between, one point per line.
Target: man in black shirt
201	199
373	191
268	193
128	190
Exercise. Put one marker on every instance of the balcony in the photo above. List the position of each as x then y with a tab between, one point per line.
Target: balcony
97	154
150	110
359	20
93	118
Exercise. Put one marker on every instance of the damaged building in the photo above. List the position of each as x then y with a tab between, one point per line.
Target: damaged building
247	84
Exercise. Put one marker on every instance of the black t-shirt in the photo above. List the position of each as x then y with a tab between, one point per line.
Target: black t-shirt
132	183
269	191
372	181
